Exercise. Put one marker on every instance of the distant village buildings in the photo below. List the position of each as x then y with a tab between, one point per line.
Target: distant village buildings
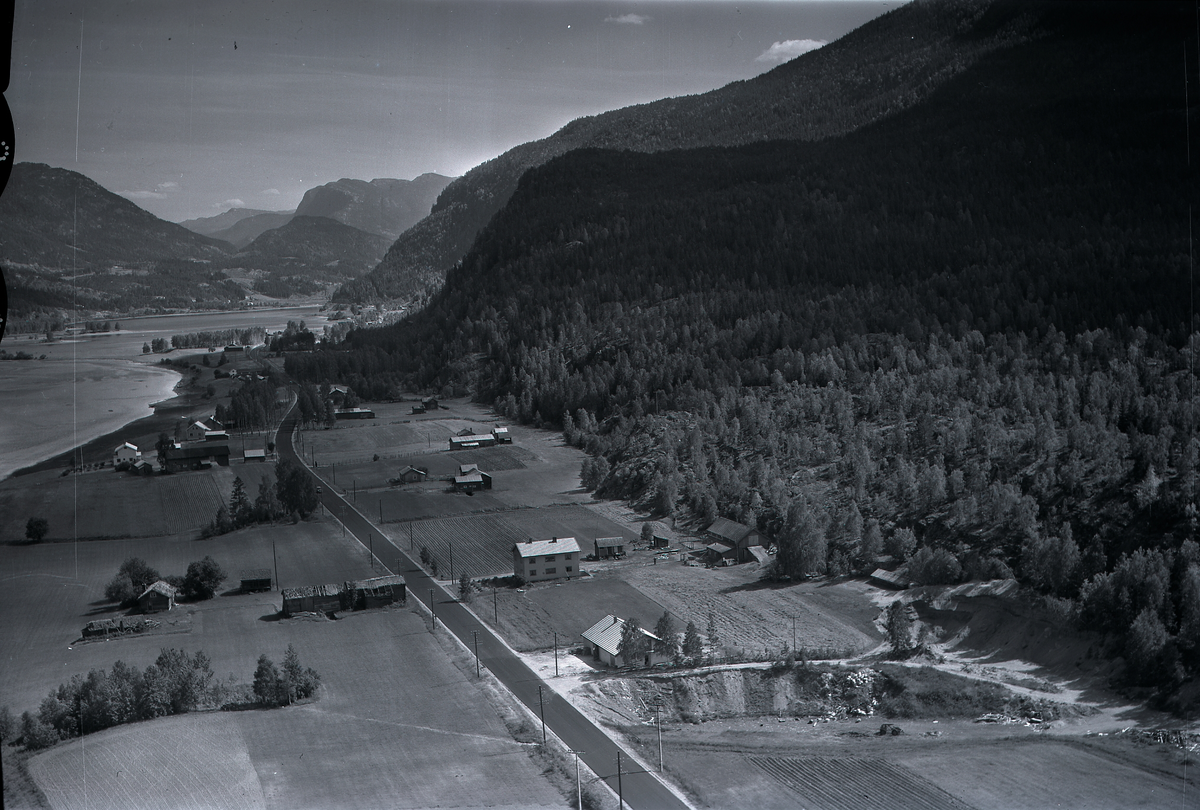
542	560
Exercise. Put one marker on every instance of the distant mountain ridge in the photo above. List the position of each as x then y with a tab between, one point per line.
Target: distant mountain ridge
59	218
383	206
882	67
312	245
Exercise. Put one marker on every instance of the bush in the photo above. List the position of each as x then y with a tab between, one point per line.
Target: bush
202	579
120	590
36	734
36	529
7	725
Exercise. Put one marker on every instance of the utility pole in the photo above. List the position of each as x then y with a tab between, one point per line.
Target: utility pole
431	611
495	608
620	793
475	635
276	560
793	634
555	653
658	722
578	792
542	712
371	548
381	511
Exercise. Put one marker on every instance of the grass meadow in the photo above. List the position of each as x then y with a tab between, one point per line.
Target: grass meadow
397	724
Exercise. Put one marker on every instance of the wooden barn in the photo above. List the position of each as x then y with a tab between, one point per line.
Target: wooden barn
419	408
354	413
312	599
735	538
158	597
502	435
413	475
256	579
471	479
375	592
471	441
609	547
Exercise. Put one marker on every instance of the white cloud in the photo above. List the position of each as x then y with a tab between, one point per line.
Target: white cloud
628	19
168	184
789	49
142	195
273	192
231	203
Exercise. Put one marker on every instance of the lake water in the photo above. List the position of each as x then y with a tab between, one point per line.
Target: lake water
93	384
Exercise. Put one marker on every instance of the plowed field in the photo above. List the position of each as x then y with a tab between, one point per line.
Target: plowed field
855	784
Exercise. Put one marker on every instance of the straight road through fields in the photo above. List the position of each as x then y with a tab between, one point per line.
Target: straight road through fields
640	789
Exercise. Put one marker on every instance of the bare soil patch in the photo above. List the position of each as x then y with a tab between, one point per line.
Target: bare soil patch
755	616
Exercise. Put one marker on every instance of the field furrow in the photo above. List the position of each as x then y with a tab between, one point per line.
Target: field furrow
855	784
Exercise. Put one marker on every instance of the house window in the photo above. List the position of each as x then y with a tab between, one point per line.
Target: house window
566	556
550	558
550	571
569	569
532	573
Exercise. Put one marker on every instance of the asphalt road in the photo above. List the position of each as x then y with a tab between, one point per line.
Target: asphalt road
640	790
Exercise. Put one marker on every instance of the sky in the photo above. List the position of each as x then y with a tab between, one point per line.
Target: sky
191	108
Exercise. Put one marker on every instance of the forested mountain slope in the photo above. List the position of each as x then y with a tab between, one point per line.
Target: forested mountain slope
959	335
884	66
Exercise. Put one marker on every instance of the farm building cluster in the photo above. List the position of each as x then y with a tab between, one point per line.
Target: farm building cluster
468	439
106	628
357	595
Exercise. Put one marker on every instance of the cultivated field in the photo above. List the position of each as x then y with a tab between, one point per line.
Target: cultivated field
754	615
854	784
152	765
482	544
529	620
397	725
109	504
844	766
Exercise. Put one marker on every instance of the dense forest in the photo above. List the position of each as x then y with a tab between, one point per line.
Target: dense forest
962	336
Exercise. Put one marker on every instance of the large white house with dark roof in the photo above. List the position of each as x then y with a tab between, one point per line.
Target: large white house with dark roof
541	560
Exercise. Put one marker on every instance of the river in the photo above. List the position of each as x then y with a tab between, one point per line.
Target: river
92	384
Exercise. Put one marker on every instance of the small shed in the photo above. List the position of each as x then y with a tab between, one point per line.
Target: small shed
431	404
101	627
418	408
471	479
312	599
159	596
143	467
375	592
719	552
502	435
894	580
254	455
609	547
256	579
413	475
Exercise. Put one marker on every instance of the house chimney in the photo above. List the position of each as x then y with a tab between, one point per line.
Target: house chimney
553	539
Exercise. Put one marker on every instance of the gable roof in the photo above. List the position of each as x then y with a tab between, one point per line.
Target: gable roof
161	587
536	548
729	530
412	469
463	469
606	634
126	444
609	542
469	478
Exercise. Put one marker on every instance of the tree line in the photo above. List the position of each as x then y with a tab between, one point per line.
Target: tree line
176	683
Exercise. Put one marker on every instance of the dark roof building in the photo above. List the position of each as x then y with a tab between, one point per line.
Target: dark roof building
609	547
256	579
159	596
736	537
